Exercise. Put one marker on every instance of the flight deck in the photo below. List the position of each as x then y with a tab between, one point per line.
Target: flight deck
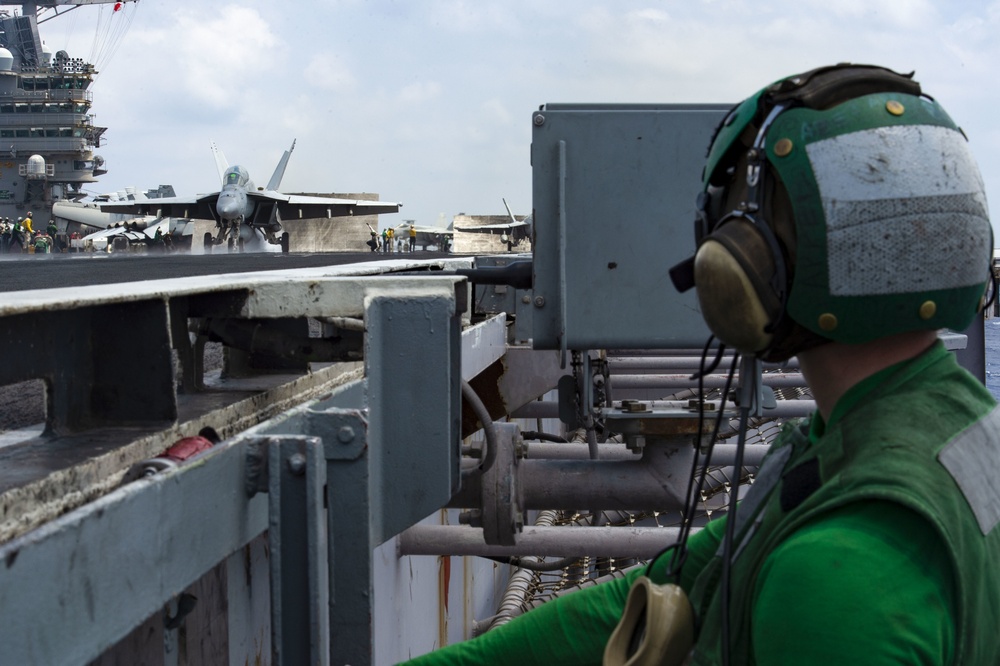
29	271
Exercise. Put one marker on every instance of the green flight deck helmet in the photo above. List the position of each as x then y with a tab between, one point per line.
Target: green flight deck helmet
839	204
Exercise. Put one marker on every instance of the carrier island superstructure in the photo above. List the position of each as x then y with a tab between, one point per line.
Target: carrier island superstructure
47	131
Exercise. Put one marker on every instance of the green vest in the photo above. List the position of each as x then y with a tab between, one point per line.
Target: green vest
927	438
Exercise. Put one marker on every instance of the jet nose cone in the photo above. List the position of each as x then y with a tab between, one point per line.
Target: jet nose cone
228	209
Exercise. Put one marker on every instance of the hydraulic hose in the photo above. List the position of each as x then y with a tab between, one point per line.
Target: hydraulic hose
483	415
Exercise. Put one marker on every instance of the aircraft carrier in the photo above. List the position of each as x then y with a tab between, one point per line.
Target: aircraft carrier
47	131
413	449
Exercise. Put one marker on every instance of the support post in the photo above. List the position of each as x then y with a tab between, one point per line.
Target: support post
299	602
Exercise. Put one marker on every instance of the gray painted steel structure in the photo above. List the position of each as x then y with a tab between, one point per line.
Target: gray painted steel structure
332	462
94	573
613	190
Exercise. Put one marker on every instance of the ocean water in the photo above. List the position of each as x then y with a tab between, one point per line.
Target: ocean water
992	337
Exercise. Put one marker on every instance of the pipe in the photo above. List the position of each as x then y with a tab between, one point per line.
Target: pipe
543	541
647	483
650	481
550	409
723	454
619	363
575	451
778	379
345	323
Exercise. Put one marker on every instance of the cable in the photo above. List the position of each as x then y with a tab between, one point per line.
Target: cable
483	415
702	371
730	536
694	489
995	284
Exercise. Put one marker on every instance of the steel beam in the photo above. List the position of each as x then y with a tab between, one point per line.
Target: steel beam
74	587
297	536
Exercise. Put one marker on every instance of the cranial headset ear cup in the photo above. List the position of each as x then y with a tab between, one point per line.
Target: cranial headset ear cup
733	268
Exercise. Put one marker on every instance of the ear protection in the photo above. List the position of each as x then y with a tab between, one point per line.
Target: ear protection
740	266
734	269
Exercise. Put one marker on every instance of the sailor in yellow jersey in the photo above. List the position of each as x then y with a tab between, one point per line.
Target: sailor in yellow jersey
843	220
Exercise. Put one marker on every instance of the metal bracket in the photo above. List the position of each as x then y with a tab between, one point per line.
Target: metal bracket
501	515
292	471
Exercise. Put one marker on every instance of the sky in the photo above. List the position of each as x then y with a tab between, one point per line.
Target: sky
429	102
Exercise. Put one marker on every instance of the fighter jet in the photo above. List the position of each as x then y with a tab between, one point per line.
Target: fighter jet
244	212
439	236
511	233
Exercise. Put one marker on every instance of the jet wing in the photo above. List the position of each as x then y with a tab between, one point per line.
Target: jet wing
490	228
290	206
201	207
295	206
403	231
433	233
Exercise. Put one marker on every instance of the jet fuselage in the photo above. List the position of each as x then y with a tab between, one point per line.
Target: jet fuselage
233	204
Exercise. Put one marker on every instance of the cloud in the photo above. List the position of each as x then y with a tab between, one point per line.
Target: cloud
495	112
898	14
328	71
208	58
419	92
464	16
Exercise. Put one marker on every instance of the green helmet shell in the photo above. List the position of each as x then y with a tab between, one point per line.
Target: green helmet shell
892	228
892	231
726	140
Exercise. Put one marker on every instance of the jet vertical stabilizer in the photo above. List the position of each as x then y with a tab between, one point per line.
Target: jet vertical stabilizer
221	163
509	214
279	171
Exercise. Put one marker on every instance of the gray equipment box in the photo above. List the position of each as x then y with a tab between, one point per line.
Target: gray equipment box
614	188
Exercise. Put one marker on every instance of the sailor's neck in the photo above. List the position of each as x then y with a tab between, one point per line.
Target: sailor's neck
831	369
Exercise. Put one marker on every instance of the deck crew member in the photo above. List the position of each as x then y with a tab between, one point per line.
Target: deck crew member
413	238
842	220
41	243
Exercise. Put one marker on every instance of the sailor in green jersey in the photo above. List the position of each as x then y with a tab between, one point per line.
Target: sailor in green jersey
843	220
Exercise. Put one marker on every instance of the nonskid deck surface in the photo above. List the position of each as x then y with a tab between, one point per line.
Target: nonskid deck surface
61	271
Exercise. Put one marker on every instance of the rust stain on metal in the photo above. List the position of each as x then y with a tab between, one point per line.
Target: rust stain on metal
672	426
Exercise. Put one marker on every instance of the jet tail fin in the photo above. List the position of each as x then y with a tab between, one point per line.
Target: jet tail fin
221	163
279	171
513	219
